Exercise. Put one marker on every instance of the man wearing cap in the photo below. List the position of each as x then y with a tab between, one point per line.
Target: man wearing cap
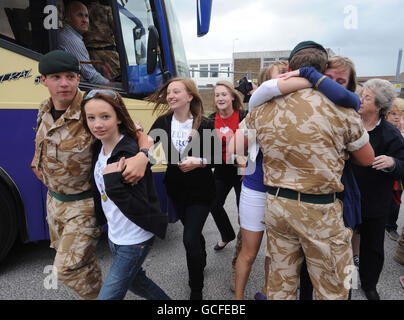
62	161
305	139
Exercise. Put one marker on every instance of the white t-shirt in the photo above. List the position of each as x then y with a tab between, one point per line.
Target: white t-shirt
121	230
180	132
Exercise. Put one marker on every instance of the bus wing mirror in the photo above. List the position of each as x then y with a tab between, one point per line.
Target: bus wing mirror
204	11
152	49
140	49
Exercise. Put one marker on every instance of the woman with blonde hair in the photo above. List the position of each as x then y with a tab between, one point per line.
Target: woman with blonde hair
252	206
229	112
188	179
341	69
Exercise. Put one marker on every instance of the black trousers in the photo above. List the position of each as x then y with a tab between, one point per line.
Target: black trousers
371	255
193	218
392	217
226	178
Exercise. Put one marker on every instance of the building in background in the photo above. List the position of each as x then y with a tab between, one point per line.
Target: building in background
398	85
206	72
250	63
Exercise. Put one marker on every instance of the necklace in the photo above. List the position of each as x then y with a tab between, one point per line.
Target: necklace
103	194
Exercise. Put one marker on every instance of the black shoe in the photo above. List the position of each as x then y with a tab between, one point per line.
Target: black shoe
217	247
372	295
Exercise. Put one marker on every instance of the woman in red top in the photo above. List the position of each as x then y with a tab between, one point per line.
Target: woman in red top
229	112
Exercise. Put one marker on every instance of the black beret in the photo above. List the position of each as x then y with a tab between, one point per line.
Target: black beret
306	45
58	61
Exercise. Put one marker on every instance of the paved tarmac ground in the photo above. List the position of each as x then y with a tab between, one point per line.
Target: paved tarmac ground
25	273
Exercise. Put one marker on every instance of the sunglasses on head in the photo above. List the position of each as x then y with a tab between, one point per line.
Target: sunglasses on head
91	94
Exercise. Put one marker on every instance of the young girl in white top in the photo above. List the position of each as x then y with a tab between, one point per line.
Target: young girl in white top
132	212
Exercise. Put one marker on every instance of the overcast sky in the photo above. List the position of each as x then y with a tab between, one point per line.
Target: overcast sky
370	32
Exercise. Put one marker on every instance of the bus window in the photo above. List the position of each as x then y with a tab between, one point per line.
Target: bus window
180	60
136	18
21	22
100	40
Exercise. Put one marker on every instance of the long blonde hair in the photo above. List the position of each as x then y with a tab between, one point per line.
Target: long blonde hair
196	106
346	64
237	102
266	73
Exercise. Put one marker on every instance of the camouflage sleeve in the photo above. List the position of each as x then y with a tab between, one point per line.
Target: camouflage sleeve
356	136
248	127
40	114
249	120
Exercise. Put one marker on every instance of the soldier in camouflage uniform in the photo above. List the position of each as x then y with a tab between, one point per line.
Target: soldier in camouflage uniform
100	39
62	161
305	139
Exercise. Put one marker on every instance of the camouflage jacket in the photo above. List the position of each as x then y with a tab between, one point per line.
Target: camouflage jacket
63	149
101	30
305	139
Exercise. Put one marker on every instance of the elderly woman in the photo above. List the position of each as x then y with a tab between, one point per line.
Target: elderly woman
376	181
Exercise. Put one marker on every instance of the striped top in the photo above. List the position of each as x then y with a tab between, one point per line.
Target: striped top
71	41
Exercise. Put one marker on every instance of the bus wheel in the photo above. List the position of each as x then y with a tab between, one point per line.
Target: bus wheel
8	221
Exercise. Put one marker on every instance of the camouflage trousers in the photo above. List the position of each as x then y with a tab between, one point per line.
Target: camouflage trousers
110	57
74	234
296	229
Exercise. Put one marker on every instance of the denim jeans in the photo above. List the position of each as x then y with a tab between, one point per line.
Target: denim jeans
126	273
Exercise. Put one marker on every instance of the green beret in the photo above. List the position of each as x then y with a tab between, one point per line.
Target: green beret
306	45
58	61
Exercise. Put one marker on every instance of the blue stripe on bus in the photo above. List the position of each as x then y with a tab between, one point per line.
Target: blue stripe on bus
17	145
164	31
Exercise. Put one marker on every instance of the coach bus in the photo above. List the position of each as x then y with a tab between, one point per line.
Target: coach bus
150	47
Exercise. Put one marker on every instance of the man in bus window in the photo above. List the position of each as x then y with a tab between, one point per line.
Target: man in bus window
62	161
71	40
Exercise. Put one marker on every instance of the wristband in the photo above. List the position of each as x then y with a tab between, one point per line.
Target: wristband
319	81
201	161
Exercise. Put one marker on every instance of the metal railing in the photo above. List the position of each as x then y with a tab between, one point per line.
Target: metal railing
248	74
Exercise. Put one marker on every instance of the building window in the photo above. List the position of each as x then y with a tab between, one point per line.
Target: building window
215	69
225	67
267	62
193	66
204	70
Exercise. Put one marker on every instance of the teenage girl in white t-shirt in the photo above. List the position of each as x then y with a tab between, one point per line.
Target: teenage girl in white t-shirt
132	212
